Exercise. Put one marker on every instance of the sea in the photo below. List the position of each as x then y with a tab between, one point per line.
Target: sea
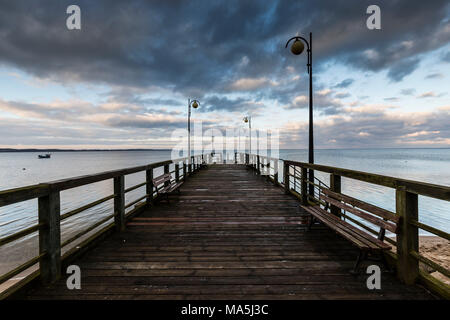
19	169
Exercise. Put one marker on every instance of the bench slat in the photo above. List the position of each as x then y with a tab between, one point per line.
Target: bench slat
363	205
332	225
161	179
372	242
350	230
375	220
366	236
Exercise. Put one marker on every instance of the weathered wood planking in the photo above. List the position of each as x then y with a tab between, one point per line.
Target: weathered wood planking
230	234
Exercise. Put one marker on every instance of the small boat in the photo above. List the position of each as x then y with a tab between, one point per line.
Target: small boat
44	156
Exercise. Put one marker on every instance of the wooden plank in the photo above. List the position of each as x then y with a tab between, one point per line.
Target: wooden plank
363	236
408	236
339	228
12	196
49	212
150	186
363	205
335	186
119	203
366	216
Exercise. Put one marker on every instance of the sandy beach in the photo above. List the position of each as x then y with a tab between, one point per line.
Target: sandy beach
438	250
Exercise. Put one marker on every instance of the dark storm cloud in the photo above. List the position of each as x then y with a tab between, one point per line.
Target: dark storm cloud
198	47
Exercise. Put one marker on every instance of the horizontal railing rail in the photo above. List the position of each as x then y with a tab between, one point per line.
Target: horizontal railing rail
406	256
50	216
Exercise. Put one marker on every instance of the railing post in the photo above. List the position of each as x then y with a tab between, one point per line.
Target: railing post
166	171
184	170
335	185
408	235
177	172
49	208
275	172
119	203
286	177
311	180
235	158
149	186
258	163
190	165
304	186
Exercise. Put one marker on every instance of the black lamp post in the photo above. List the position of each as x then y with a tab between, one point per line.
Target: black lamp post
194	104
297	48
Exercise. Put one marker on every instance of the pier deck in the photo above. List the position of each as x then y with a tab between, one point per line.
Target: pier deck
229	234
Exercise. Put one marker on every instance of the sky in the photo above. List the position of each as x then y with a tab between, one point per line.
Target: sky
124	79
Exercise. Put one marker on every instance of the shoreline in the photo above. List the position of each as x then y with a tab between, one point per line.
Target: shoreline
436	249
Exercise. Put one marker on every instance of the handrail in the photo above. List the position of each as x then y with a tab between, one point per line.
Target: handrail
407	191
423	188
50	217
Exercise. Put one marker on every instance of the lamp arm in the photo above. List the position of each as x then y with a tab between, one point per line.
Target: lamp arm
296	38
308	49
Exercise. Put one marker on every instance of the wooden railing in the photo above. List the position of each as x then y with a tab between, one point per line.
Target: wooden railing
50	217
405	256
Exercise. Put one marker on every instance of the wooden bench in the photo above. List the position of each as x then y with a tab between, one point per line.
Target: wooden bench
168	187
366	242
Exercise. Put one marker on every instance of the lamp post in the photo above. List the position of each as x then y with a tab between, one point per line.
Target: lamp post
248	120
297	48
194	104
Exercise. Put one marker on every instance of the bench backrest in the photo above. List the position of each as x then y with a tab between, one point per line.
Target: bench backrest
373	214
161	179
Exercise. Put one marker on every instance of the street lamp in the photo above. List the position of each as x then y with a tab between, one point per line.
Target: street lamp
248	120
194	104
297	48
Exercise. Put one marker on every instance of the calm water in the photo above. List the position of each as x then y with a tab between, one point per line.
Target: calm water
20	169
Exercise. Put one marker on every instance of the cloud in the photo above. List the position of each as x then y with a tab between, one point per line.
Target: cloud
248	84
324	102
431	94
408	92
344	83
241	105
446	57
143	43
402	69
342	95
373	127
228	54
436	75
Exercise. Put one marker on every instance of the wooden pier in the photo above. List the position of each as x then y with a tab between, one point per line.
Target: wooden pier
230	233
